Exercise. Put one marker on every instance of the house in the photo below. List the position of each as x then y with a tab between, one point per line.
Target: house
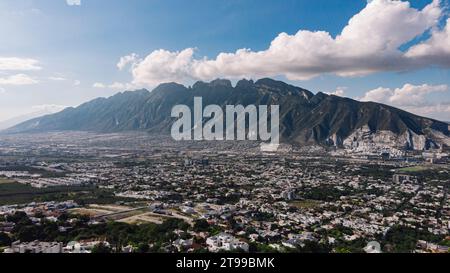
82	247
373	247
400	178
293	243
225	242
188	210
182	245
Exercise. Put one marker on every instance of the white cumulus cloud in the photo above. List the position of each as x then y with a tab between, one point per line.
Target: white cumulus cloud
18	64
57	78
340	91
73	2
99	85
50	108
436	49
369	43
126	60
414	98
115	86
165	66
18	79
408	95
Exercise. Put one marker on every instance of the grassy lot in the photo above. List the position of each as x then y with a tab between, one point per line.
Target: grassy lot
414	169
34	170
16	193
89	211
97	210
5	181
144	219
305	204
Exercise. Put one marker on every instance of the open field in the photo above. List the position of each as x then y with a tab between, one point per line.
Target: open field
150	217
5	181
16	193
111	208
305	204
35	170
145	218
415	169
128	215
110	212
117	215
96	210
89	212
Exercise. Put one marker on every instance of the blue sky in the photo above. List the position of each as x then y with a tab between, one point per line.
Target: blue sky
76	49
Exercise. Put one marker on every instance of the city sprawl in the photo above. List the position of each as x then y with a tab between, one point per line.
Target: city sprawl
79	192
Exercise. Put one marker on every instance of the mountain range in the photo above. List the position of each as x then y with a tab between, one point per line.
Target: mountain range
305	118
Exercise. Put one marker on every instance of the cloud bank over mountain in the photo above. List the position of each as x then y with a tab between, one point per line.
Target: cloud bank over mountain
414	98
371	42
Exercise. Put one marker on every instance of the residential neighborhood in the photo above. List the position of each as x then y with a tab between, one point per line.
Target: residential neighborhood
227	198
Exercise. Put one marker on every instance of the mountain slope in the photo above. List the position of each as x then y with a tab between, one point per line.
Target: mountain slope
305	118
39	112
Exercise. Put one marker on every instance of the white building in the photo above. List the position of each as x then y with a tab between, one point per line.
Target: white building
225	242
181	244
35	247
82	247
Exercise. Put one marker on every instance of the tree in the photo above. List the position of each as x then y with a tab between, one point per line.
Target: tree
4	239
63	217
201	225
27	233
314	247
143	248
101	249
19	217
83	218
261	248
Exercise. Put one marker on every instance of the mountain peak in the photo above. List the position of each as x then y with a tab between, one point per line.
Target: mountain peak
244	83
221	82
139	92
214	83
271	83
168	85
283	88
168	88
